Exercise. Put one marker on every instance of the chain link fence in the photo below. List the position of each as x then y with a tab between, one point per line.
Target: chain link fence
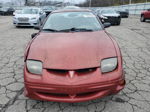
134	9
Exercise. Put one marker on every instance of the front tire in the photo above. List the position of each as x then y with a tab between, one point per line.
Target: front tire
118	22
127	16
142	18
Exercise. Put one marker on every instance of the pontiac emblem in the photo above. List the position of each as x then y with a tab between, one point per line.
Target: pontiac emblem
71	74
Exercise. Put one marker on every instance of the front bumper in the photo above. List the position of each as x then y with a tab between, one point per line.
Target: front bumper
25	23
124	14
86	85
112	20
72	94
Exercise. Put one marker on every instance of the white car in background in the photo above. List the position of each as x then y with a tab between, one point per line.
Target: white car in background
29	17
16	12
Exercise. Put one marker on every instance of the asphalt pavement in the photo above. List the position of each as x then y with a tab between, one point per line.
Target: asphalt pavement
133	38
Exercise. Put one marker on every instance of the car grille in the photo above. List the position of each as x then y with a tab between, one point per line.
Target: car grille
60	95
112	18
24	19
66	72
23	24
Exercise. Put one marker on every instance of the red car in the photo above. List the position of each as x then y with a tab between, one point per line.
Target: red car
145	15
72	59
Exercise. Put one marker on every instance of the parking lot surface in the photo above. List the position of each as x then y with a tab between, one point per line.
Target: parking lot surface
133	38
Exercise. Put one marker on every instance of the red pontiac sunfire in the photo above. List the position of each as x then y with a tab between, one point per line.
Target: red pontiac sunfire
72	59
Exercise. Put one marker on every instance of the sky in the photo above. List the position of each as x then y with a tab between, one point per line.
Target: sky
74	1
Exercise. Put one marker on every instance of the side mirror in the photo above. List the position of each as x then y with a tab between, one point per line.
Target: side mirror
33	35
148	9
37	27
107	24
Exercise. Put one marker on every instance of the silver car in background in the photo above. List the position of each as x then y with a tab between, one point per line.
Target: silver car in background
29	17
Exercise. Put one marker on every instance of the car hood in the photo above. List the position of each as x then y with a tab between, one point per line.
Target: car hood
71	51
123	11
109	15
26	15
144	12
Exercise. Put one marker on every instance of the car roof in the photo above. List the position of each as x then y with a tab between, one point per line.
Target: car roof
71	10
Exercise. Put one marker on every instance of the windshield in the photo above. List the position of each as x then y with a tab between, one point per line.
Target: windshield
5	8
108	12
30	11
86	21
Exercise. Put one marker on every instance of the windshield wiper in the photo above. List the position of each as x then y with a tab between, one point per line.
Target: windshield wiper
76	29
51	30
69	30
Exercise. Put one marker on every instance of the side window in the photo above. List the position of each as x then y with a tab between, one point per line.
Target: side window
148	9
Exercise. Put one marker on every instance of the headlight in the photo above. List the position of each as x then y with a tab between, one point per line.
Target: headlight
34	67
108	65
103	17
